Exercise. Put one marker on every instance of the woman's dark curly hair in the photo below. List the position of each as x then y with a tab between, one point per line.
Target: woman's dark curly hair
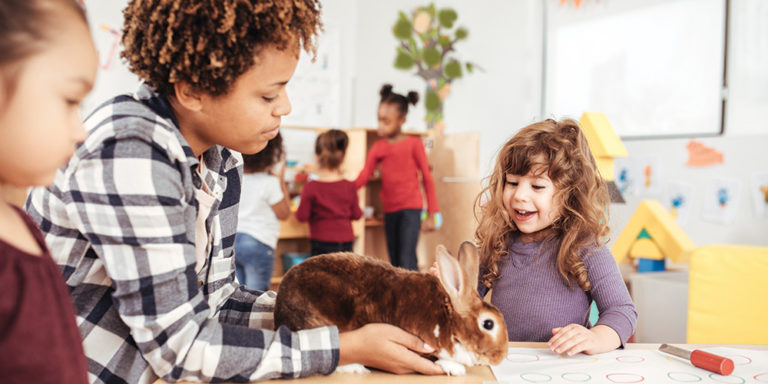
269	156
580	192
210	43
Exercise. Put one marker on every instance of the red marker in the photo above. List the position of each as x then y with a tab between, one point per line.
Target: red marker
714	363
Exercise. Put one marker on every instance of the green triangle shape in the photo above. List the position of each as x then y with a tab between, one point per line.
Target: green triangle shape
644	235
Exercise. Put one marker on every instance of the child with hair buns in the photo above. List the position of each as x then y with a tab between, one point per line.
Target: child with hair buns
330	201
402	159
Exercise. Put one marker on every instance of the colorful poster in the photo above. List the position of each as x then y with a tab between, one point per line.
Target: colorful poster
721	200
759	192
637	175
677	199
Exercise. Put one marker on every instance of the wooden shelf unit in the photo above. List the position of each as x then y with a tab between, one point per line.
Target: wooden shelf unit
369	233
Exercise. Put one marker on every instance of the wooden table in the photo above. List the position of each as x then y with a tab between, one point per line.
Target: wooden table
475	375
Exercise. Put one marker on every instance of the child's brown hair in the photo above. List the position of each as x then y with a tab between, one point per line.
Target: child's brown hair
330	148
25	27
580	193
209	44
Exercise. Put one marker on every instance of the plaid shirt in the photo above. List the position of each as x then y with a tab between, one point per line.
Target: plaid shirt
120	222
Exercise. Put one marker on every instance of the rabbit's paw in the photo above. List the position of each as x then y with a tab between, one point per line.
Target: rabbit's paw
451	367
352	368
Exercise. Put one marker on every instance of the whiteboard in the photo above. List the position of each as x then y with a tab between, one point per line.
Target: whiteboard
747	105
655	68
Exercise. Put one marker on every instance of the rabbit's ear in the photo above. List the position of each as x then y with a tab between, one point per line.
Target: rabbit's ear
453	278
469	259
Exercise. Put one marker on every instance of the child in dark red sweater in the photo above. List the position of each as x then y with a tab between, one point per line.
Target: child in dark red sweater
48	64
330	201
401	157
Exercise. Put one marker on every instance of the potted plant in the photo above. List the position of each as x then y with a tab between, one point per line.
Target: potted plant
427	40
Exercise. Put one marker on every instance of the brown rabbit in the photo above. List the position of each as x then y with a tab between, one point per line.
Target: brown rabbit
349	291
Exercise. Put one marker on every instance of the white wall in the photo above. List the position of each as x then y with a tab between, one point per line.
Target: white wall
505	39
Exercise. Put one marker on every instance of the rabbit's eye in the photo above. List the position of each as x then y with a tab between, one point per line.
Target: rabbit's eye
488	324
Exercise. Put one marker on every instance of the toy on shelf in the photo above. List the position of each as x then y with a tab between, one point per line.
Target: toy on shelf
651	237
605	146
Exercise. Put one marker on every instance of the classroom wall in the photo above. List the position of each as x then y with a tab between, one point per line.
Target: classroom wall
506	40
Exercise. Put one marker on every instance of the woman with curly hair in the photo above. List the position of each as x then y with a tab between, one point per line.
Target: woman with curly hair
142	220
542	224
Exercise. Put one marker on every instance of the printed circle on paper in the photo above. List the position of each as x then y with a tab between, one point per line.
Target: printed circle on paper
576	377
535	377
624	378
731	379
683	377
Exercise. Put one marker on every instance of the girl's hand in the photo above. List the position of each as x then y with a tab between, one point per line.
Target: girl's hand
573	339
386	347
428	224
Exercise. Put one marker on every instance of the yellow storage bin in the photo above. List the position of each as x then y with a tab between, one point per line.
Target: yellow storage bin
728	295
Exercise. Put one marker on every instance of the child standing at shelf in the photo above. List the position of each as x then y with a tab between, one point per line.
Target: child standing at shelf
47	64
542	224
264	200
142	221
330	201
402	157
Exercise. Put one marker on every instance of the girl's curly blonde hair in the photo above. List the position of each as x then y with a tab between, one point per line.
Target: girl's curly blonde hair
210	43
580	193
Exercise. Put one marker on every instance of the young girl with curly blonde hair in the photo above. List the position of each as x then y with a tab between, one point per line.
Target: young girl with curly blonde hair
542	229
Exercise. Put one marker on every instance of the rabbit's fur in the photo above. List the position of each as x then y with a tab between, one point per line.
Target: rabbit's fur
349	291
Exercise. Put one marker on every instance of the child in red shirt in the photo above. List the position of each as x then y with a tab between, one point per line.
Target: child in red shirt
401	157
47	66
330	202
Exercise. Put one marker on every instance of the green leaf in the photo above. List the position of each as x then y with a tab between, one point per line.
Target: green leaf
470	67
431	56
444	41
431	10
461	33
413	43
447	17
432	101
402	29
453	69
403	61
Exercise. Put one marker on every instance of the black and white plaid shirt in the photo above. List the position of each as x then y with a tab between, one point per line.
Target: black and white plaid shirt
120	222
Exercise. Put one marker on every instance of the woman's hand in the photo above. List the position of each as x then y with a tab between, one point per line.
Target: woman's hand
386	347
434	270
574	338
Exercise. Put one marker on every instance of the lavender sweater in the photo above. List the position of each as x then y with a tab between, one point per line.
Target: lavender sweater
534	298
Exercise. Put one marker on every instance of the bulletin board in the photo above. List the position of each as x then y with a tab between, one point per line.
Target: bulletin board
654	67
